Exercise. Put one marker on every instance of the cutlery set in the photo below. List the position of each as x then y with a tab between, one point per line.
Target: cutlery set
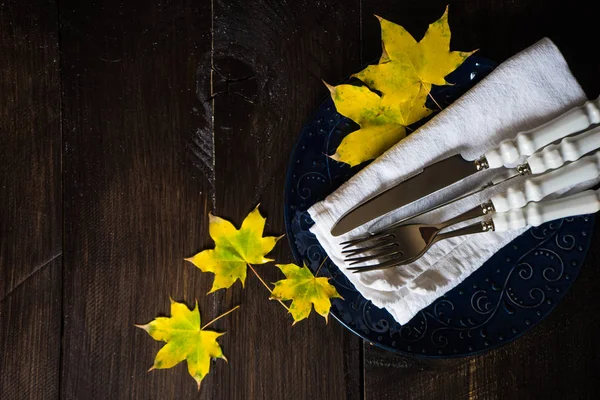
549	168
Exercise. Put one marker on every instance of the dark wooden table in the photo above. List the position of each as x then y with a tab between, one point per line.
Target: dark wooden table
123	123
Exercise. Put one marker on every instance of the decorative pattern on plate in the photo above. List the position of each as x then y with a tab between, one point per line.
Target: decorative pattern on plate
510	293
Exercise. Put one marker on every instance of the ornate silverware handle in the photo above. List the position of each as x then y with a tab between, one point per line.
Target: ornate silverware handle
508	152
535	188
535	214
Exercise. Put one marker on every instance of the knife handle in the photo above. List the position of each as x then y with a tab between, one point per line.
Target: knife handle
508	152
535	214
569	149
537	187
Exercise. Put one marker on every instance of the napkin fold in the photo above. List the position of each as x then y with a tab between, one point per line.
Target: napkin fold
525	91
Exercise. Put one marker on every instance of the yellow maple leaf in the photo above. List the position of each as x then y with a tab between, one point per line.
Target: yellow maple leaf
186	340
408	67
381	125
403	77
234	249
305	290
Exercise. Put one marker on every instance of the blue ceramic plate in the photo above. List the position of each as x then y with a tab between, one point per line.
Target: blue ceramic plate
509	294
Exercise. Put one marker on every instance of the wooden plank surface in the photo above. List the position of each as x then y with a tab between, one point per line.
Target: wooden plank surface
139	179
136	198
269	57
553	360
30	201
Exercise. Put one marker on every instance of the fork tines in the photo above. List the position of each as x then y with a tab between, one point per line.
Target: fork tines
367	238
380	246
395	261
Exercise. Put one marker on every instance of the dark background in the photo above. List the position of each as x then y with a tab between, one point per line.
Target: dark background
123	123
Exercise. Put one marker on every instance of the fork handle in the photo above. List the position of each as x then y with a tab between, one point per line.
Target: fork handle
569	149
535	214
508	152
537	187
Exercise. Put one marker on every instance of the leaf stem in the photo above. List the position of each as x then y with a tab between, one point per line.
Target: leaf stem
220	316
267	286
322	262
429	94
260	279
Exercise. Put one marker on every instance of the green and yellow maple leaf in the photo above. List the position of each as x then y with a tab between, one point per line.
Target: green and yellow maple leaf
305	290
403	77
234	249
381	125
185	340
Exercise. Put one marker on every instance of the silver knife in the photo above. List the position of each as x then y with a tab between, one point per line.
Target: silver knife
455	168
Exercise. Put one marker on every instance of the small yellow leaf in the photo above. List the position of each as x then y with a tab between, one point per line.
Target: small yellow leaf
186	340
234	249
305	290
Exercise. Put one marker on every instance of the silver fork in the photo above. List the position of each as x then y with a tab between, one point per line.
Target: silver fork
399	244
422	237
417	240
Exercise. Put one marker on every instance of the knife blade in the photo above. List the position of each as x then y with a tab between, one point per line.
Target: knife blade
498	180
455	168
431	179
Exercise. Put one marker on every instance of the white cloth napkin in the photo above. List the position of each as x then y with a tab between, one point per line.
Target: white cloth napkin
525	91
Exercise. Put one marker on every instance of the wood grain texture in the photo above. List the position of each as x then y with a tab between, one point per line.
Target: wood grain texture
269	58
553	360
30	201
30	337
135	202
